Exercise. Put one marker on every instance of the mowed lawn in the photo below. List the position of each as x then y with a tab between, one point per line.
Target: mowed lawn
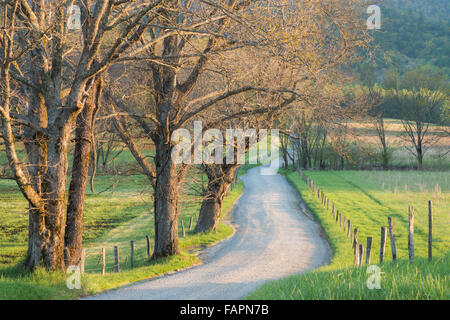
368	198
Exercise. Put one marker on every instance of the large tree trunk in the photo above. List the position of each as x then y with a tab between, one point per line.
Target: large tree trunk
46	229
219	179
165	202
84	134
47	161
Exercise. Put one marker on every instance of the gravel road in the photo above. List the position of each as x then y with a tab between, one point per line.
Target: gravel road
275	237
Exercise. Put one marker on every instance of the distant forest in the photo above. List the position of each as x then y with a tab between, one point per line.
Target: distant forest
414	32
435	9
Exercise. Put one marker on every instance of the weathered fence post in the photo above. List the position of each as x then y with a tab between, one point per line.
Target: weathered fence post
132	254
361	253
351	233
430	230
332	211
345	222
182	228
328	204
392	238
149	247
190	223
356	252
340	220
337	215
383	243
82	260
368	250
411	235
355	238
116	259
103	261
348	227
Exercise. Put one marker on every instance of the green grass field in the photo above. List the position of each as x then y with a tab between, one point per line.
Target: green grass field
367	198
122	213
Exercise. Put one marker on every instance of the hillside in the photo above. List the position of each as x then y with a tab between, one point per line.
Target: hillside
435	9
413	32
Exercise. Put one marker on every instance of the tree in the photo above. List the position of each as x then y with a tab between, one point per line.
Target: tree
253	126
420	94
45	61
84	137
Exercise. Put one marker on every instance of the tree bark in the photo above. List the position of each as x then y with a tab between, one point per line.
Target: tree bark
165	202
219	179
46	229
84	134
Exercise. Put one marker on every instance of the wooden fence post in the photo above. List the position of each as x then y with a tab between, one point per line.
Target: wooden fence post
361	253
337	215
149	246
356	252
345	222
355	238
348	227
368	250
392	238
116	259
340	220
430	230
411	235
182	228
383	243
132	254
328	204
82	260
103	261
332	210
190	223
351	233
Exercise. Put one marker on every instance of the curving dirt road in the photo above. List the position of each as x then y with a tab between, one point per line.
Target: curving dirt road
274	238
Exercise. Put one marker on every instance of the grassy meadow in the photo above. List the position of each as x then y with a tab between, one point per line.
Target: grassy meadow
436	155
367	198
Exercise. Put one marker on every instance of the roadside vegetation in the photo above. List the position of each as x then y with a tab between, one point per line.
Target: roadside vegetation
368	198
